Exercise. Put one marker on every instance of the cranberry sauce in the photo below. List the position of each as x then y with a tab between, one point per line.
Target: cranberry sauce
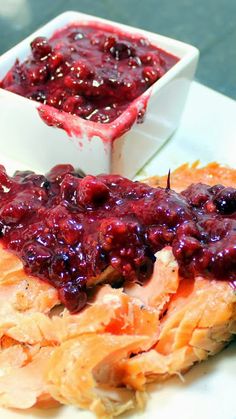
90	70
69	229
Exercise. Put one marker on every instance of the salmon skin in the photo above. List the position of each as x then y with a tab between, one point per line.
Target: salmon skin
103	357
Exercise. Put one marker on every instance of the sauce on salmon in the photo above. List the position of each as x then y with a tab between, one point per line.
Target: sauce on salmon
67	229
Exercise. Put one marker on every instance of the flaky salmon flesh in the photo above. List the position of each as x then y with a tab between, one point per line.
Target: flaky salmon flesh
103	357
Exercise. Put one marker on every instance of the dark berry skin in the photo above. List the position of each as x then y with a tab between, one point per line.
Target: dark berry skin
122	50
73	297
88	71
225	200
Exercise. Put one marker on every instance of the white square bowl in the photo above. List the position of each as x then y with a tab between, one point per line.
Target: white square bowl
33	142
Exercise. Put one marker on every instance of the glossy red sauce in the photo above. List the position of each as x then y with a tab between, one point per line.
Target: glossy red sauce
89	70
67	229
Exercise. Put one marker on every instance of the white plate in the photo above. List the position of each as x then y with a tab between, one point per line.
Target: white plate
207	132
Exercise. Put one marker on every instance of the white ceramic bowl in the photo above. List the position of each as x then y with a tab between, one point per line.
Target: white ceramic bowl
41	146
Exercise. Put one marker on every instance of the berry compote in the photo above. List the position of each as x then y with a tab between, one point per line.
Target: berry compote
67	229
90	70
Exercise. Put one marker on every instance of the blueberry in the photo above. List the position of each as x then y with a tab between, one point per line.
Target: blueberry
73	297
38	95
225	201
122	50
46	184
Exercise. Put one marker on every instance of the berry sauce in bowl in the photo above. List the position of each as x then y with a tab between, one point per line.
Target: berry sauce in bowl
90	70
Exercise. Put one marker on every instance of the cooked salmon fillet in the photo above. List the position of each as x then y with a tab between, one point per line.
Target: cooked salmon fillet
103	357
186	174
20	292
199	320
